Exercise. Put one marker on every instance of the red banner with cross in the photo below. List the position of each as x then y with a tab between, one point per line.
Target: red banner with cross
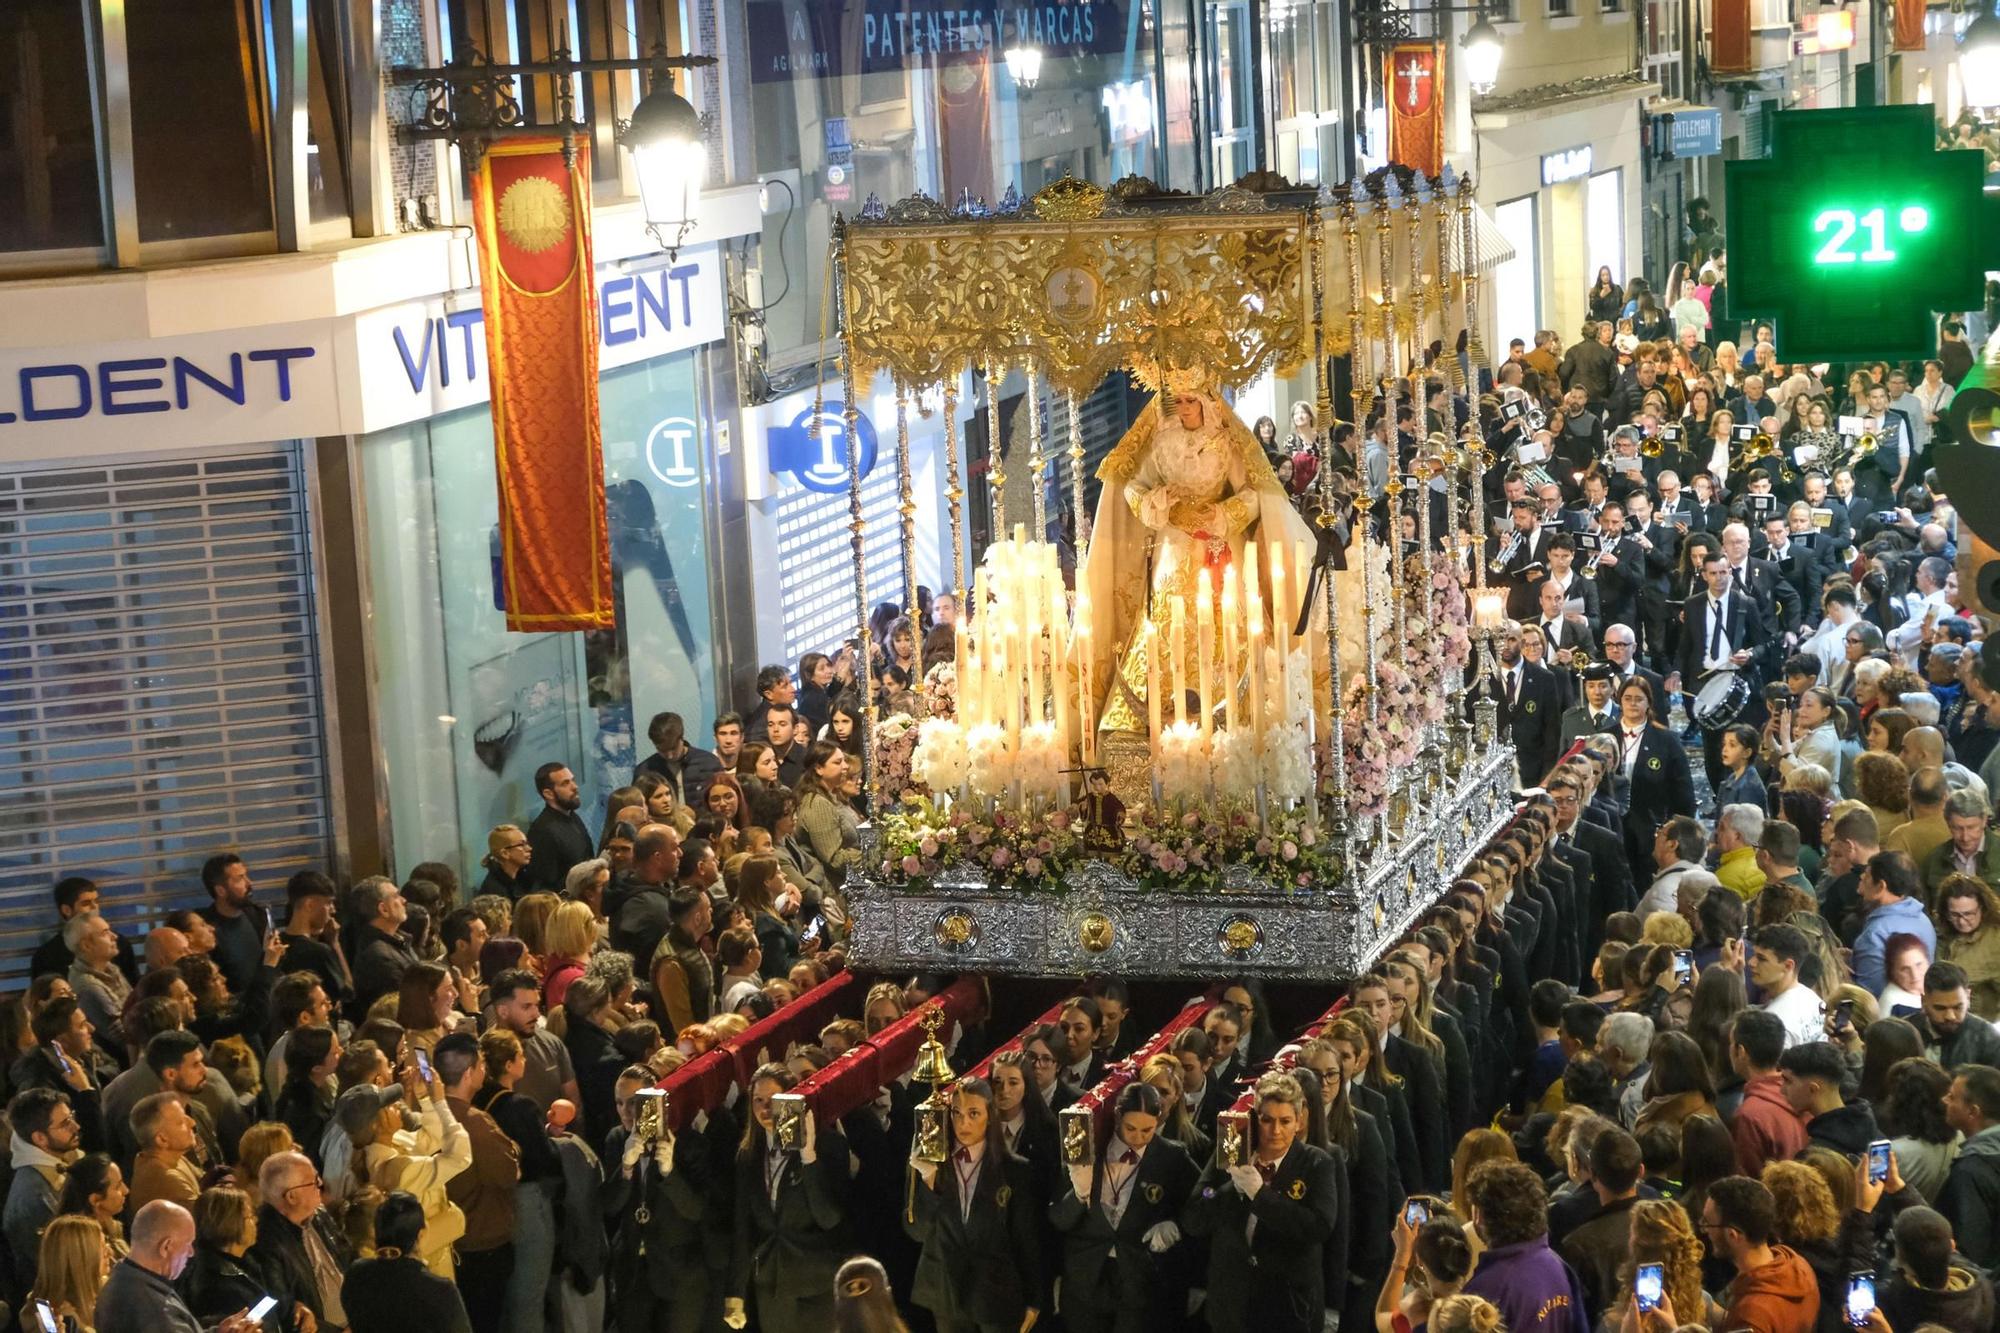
531	210
1413	73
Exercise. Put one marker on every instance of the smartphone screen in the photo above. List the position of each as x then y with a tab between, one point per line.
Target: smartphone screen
423	1066
1647	1284
1878	1161
1415	1213
263	1307
1843	1015
811	932
47	1316
1684	965
1860	1298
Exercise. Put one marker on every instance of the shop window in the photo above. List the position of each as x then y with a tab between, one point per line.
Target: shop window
1561	9
467	709
849	98
1604	221
200	156
1517	284
48	147
327	118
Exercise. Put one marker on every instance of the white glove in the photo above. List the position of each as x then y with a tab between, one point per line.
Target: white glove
1080	1180
635	1148
732	1312
700	1122
1330	1324
734	1095
809	1148
1247	1179
928	1170
663	1154
1163	1236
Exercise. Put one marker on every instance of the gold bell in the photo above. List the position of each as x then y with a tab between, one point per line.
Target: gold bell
933	1061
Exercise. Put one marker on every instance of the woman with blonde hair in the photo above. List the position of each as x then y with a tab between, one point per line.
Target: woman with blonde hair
1163	1071
1662	1234
218	1280
261	1142
1476	1148
1835	1241
531	926
1465	1314
70	1268
507	856
1441	1253
570	936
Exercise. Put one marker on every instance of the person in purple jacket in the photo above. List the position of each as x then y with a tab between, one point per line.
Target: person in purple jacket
1536	1292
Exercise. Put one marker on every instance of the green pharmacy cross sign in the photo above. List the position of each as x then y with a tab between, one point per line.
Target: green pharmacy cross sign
1853	231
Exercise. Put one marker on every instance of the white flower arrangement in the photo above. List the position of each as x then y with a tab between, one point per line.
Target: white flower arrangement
990	766
941	761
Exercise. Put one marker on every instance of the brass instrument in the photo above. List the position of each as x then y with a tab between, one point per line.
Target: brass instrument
1589	570
1652	447
1863	447
1498	564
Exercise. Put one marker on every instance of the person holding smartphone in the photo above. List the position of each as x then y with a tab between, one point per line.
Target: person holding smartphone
1433	1259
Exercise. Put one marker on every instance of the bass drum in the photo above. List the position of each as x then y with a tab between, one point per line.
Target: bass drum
1722	696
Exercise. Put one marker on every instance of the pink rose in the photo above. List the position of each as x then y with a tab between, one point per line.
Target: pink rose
1033	867
1002	858
929	846
1059	819
912	866
1290	850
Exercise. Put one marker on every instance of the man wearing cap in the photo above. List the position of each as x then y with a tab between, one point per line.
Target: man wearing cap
1594	712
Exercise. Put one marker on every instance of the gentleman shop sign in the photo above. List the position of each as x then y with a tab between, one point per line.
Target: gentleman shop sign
1694	131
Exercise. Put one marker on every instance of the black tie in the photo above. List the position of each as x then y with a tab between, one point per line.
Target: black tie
1513	684
1715	629
1736	578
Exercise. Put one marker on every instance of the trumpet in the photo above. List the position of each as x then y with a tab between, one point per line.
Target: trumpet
1498	564
1652	447
1590	565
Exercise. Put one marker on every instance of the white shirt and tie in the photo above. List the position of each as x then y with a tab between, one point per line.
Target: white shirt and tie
1121	1174
1513	683
965	1164
1718	650
1630	738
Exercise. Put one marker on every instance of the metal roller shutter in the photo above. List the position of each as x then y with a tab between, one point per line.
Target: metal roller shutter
159	684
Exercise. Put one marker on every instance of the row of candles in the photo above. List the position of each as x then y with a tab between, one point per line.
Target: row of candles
1023	667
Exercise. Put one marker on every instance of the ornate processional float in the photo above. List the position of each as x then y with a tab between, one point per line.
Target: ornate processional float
1240	744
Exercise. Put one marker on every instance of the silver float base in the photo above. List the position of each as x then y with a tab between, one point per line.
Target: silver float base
1102	922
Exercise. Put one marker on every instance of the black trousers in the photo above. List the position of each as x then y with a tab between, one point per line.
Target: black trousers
1652	628
482	1282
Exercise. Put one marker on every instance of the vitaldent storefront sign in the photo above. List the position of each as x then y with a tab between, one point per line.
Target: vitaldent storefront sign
346	376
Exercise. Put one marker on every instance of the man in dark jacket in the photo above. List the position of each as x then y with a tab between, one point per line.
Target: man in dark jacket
381	953
1971	1198
1811	1074
1931	1282
1953	1035
300	1251
558	839
1530	709
1599	1247
686	767
638	908
1591	365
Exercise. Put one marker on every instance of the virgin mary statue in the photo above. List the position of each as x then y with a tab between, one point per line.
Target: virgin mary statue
1188	488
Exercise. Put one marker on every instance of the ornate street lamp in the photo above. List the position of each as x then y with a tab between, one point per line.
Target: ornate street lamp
670	159
1481	47
1024	63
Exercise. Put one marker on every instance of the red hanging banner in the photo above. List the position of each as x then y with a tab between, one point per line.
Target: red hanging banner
1909	25
1412	73
1729	37
531	210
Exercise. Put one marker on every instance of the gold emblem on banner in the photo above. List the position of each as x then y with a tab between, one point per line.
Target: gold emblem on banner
1069	200
1095	932
534	214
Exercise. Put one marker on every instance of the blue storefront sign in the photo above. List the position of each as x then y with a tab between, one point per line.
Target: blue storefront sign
1694	131
821	465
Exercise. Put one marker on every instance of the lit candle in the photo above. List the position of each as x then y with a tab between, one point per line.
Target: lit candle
1281	627
1177	685
1153	691
958	668
1257	668
1085	728
1204	646
1229	610
1302	558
